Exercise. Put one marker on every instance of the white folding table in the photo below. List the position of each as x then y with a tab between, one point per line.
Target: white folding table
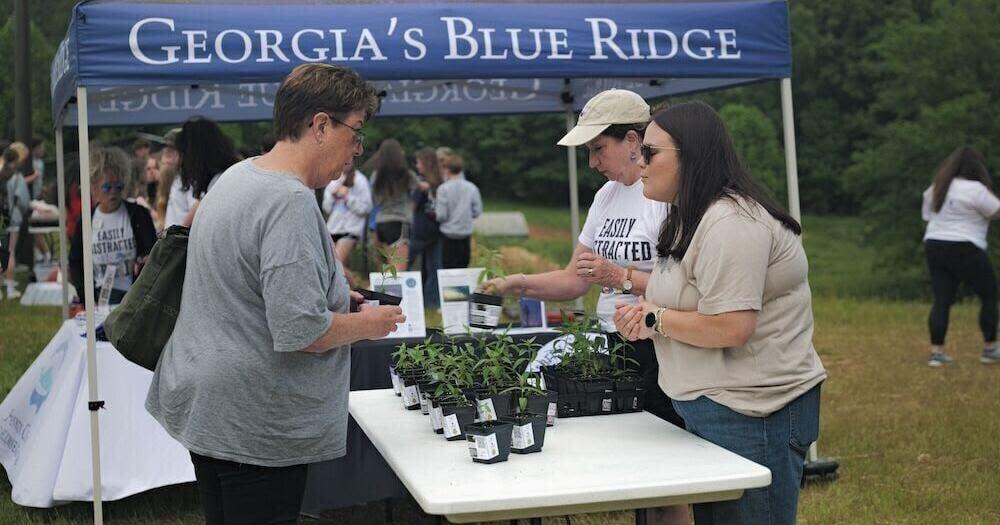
588	464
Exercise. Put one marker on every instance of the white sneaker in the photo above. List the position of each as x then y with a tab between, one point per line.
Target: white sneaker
939	359
13	293
990	356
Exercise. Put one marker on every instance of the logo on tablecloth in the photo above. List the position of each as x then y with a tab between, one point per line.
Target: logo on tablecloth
42	388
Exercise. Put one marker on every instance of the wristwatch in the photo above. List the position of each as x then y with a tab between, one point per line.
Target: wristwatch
652	320
627	283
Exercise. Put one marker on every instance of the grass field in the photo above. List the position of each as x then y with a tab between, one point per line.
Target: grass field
916	445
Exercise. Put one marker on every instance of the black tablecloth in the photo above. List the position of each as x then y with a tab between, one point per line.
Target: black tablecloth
363	475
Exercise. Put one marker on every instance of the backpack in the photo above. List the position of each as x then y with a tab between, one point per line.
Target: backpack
141	325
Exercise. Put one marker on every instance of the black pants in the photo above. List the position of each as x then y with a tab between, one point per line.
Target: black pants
655	401
455	253
950	264
237	494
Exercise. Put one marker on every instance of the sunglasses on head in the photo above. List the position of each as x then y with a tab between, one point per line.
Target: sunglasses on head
108	186
648	150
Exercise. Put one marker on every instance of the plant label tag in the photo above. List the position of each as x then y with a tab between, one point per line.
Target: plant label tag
523	437
424	404
436	422
451	428
487	412
484	314
395	382
606	405
473	449
550	417
410	396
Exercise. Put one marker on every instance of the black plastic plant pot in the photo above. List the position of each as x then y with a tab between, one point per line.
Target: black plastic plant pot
397	385
425	387
629	394
411	392
547	404
489	441
493	407
528	434
455	419
379	298
599	396
484	310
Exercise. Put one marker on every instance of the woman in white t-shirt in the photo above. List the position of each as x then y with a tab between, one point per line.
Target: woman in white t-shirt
205	152
347	202
958	208
617	245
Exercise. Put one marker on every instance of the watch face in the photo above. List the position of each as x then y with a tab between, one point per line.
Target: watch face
627	285
650	319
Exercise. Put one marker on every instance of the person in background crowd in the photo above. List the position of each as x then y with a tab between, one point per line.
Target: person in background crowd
425	236
347	201
151	182
456	205
616	247
140	154
392	182
42	252
729	309
958	208
179	199
123	232
205	152
16	207
254	380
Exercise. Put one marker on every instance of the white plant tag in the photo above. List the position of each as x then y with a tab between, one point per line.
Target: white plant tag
484	314
410	396
523	437
451	428
606	405
473	449
486	447
107	284
396	387
424	403
436	417
486	410
550	418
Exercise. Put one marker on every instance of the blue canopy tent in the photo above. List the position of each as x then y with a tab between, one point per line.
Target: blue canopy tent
134	62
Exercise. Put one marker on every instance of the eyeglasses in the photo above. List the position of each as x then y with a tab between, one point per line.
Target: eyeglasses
359	136
648	150
108	186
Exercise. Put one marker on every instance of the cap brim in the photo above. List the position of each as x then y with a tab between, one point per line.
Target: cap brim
582	134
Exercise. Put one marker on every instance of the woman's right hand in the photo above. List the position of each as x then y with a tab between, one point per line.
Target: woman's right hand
496	286
382	319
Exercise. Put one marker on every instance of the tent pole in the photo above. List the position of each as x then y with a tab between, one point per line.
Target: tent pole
574	192
63	242
791	164
88	280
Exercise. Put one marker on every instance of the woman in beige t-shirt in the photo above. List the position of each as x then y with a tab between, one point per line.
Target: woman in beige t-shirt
729	310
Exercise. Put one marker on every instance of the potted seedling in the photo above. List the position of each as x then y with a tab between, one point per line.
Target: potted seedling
408	371
528	433
546	403
496	370
489	441
580	375
629	391
456	371
485	308
380	294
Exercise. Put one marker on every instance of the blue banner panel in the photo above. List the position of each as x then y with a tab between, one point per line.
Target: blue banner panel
122	44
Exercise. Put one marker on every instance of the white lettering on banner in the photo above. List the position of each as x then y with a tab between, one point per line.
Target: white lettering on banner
297	50
466	41
158	104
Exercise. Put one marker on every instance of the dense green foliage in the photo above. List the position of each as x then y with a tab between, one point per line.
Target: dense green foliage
883	91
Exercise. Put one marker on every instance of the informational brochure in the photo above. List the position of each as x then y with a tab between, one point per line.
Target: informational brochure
408	286
455	286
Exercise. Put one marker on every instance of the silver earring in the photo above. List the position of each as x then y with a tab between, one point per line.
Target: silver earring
632	157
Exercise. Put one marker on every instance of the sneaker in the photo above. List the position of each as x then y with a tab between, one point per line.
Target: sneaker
939	359
990	356
13	293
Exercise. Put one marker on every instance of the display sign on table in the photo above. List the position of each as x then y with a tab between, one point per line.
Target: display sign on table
407	285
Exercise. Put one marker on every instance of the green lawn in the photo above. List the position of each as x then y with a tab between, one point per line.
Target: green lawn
916	445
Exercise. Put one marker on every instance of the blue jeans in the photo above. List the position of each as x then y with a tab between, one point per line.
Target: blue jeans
779	442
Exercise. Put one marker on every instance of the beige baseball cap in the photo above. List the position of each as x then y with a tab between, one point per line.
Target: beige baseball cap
614	106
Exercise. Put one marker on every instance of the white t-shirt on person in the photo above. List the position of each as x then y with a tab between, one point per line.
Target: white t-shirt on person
965	214
114	247
622	226
178	204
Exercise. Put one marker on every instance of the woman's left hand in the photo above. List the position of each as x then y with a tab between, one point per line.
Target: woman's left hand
630	320
597	270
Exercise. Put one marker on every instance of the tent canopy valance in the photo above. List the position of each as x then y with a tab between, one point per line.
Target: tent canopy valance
161	61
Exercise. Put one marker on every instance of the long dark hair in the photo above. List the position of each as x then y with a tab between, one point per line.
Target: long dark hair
709	170
965	162
432	171
392	175
205	152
